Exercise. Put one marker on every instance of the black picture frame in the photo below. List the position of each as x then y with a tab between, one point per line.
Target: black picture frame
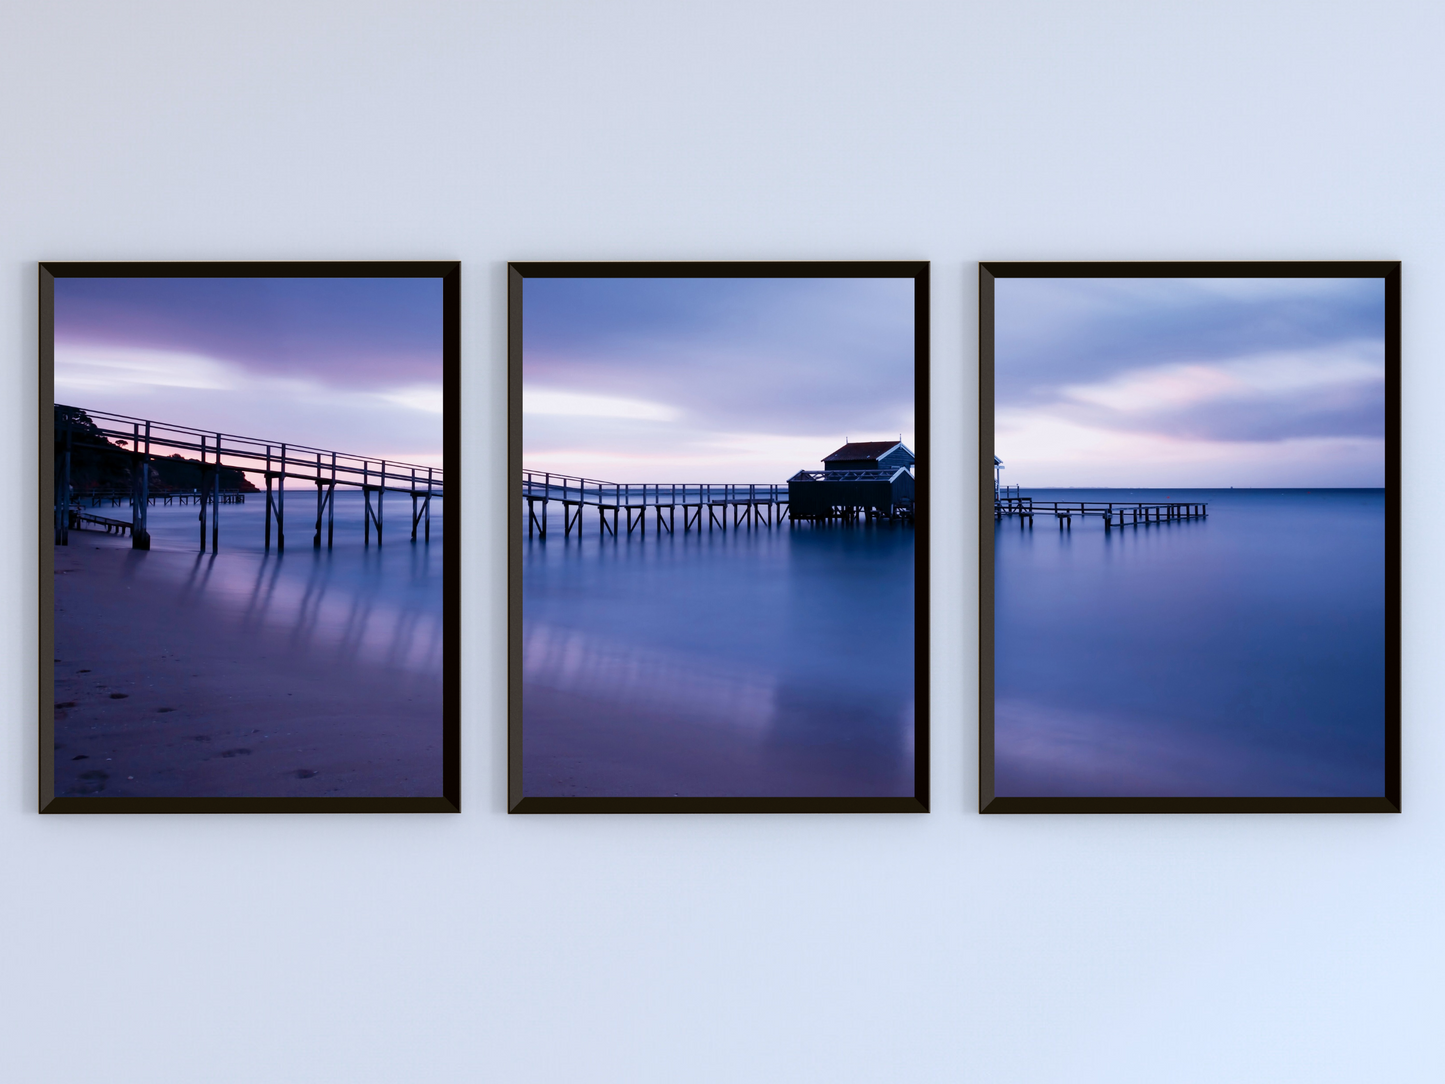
991	271
518	274
448	274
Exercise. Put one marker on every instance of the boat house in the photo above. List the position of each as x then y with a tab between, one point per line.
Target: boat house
870	479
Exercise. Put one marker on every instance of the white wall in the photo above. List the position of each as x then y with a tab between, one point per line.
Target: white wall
935	948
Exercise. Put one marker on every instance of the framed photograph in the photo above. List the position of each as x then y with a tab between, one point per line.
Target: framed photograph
248	597
1190	537
718	597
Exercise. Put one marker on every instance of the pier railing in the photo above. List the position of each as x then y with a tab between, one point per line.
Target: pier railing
544	485
850	475
750	502
146	440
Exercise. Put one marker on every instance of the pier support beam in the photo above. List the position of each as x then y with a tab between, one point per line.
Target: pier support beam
140	538
63	447
270	500
215	501
281	505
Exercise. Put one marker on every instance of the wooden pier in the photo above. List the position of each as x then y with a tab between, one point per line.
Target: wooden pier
144	441
80	520
115	497
617	502
1009	502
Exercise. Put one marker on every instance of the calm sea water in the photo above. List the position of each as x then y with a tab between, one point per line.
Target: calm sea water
355	603
1240	655
756	661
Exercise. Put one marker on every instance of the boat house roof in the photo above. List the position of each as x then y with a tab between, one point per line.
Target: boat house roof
855	450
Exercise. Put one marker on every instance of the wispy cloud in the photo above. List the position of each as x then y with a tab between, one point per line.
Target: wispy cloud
1173	382
105	369
349	364
578	404
427	398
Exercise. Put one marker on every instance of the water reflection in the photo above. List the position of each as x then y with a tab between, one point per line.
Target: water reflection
753	661
1241	654
376	606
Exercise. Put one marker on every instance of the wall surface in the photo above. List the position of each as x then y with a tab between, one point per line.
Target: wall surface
863	948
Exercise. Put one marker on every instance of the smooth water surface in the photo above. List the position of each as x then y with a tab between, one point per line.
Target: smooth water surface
350	604
763	661
1238	655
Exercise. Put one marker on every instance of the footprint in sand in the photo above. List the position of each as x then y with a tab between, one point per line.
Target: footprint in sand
236	753
119	696
303	773
91	782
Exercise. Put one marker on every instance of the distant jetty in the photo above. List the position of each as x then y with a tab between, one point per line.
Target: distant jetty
1009	501
860	482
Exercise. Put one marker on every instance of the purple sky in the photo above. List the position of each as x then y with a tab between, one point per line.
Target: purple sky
348	364
1190	382
711	380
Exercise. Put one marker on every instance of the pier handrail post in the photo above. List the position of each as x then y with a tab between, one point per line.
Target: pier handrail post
268	499
139	491
281	505
145	489
427	536
316	538
216	501
201	489
380	497
331	504
366	497
62	480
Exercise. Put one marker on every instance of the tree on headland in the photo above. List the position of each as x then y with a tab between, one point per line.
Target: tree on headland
99	463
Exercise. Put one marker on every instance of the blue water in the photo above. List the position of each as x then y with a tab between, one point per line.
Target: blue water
764	661
353	603
1239	655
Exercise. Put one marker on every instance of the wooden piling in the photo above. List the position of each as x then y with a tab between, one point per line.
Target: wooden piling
62	483
216	500
205	479
281	505
320	505
270	504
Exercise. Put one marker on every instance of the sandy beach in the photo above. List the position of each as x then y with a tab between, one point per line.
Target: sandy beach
165	689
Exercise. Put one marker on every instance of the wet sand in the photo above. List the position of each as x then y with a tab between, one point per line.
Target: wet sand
163	692
576	745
